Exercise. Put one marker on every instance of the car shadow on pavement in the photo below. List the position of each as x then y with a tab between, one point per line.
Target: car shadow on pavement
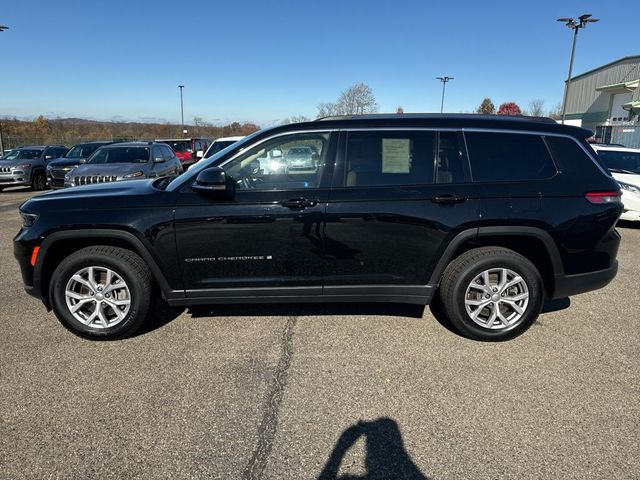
307	309
628	224
385	456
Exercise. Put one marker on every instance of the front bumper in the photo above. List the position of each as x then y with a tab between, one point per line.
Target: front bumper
14	178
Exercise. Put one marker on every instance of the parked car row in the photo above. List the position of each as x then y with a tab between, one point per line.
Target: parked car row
57	166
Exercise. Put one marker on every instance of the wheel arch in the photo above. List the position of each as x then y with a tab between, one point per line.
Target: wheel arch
533	243
59	245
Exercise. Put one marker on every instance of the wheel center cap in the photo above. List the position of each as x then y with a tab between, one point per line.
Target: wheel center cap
495	297
99	297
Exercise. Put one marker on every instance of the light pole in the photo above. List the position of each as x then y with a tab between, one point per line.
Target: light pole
444	81
181	110
2	29
574	25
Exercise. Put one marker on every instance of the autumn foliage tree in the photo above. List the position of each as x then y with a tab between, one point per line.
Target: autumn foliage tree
486	107
509	108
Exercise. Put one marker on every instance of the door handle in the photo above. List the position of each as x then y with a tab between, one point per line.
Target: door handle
299	203
448	198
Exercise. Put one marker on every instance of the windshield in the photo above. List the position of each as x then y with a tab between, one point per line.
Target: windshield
81	151
619	160
180	146
27	154
218	146
120	155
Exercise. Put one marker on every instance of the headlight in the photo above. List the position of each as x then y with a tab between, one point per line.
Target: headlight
28	219
134	175
630	188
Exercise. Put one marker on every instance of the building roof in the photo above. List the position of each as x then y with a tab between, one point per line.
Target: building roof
602	67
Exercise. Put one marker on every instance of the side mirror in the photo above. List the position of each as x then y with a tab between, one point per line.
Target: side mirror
158	160
83	160
213	181
48	157
199	154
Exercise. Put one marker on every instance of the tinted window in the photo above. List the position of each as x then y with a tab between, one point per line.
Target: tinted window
81	151
499	157
271	165
217	146
180	145
120	155
571	158
389	158
620	161
450	166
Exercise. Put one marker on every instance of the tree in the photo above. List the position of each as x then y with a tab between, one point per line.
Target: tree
486	107
556	112
399	110
358	99
509	108
294	119
536	107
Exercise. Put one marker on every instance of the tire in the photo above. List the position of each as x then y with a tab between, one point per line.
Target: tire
465	294
1	189
39	181
131	288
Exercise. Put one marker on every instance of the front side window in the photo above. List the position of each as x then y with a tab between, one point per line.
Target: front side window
120	155
385	158
167	152
288	162
498	157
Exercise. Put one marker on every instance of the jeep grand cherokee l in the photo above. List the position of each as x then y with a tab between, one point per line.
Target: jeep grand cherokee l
485	215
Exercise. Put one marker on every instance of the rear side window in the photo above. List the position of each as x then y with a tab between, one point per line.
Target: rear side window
498	157
571	158
380	158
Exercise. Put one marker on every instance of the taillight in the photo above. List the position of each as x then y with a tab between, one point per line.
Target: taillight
599	198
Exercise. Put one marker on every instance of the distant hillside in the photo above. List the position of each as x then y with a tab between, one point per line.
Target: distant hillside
69	131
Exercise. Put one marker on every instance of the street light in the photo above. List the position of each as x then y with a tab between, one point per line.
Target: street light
181	108
444	81
574	25
2	29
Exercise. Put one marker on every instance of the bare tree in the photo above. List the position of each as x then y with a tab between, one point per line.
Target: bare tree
556	111
536	107
358	99
294	119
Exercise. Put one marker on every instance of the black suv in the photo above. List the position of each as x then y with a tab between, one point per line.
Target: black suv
485	215
78	154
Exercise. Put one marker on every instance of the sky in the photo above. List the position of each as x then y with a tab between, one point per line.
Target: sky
263	61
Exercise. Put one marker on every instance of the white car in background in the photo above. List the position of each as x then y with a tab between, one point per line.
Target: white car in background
624	165
219	144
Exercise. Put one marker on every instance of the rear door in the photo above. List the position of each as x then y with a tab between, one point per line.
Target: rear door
398	198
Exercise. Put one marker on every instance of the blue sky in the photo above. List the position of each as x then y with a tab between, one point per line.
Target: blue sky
265	60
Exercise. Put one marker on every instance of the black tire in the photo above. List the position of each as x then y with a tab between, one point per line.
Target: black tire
464	269
39	181
1	189
129	266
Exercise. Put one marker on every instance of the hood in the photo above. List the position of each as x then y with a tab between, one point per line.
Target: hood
101	196
631	178
17	161
65	162
107	169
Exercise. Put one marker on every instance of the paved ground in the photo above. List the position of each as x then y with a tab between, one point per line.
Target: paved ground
321	391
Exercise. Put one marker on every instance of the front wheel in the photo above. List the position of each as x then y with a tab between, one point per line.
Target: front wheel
102	292
491	293
39	181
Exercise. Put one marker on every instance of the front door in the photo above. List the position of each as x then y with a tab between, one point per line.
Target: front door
268	238
398	198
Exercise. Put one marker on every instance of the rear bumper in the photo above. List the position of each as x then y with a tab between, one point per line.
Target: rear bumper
568	285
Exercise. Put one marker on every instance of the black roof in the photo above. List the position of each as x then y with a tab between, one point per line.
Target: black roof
437	120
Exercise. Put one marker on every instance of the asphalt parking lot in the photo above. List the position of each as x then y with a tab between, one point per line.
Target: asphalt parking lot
321	391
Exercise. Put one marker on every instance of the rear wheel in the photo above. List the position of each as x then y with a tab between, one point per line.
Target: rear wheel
491	294
39	181
102	292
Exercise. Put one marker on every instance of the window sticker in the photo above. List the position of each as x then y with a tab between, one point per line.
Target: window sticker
396	155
